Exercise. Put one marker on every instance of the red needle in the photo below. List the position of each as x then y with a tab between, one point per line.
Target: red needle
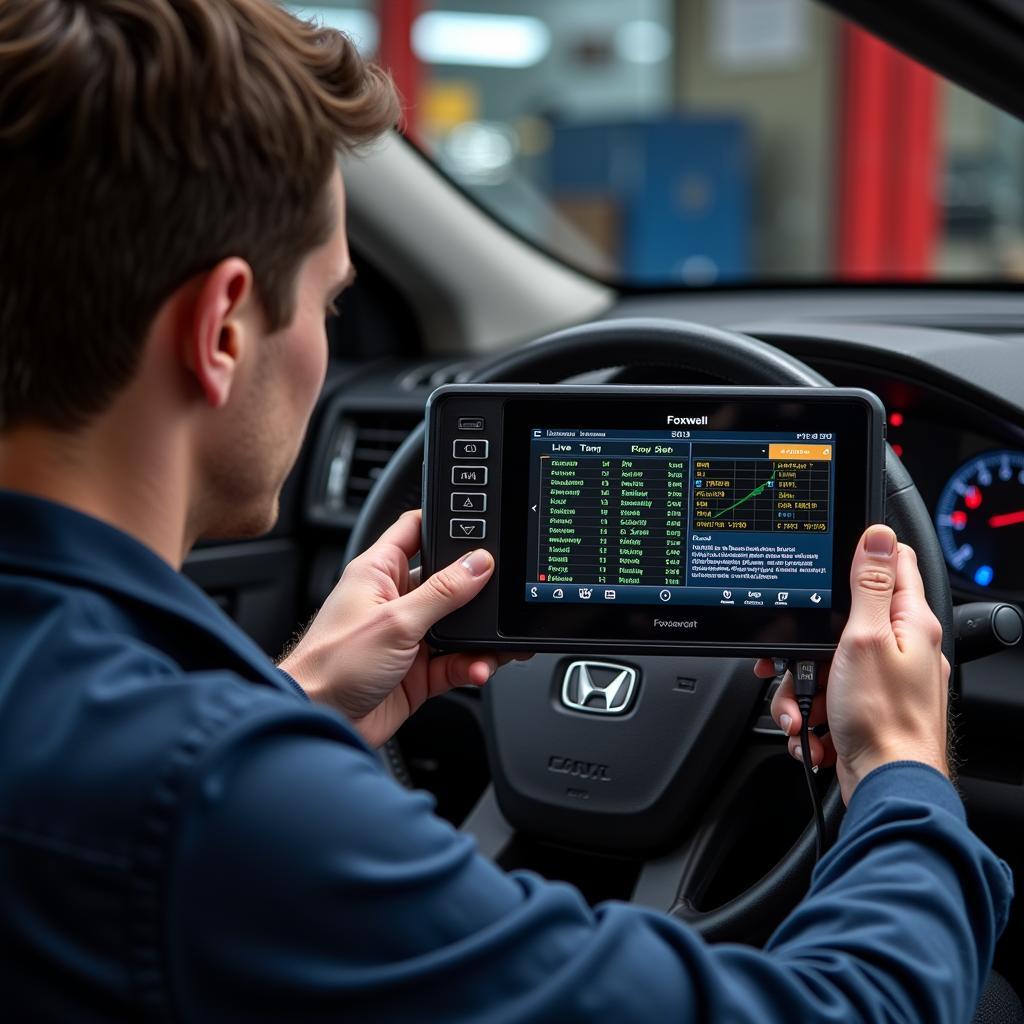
1007	519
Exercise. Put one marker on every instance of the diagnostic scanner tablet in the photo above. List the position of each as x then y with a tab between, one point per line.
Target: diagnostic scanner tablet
656	520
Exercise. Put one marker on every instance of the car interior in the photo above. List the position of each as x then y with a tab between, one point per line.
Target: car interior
843	183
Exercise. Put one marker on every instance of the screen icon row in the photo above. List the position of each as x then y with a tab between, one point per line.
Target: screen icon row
582	593
689	595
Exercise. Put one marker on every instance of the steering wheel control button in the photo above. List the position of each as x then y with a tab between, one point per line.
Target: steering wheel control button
469	448
476	475
1007	625
469	501
471	423
467	529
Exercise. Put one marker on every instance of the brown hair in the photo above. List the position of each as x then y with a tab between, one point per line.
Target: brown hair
142	141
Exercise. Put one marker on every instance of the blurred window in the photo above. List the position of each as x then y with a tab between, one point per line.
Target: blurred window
703	142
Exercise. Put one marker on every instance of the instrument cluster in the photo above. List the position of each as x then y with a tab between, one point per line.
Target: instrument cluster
969	467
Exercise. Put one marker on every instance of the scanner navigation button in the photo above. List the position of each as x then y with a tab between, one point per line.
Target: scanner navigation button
470	448
467	529
469	501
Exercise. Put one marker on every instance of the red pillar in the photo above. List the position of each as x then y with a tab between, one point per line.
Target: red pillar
915	213
888	214
395	52
862	153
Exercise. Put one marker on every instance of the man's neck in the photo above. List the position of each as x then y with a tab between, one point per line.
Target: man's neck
116	476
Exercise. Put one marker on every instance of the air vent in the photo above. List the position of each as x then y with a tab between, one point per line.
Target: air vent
361	446
434	374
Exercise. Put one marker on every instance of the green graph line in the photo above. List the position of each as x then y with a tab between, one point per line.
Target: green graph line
759	489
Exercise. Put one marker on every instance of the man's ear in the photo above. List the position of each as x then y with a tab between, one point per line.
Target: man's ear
217	332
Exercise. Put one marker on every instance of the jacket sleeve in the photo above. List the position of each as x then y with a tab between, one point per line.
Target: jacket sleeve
303	885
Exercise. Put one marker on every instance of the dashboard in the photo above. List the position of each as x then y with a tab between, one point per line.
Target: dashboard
969	467
965	454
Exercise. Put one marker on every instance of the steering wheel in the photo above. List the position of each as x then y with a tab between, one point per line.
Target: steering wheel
631	784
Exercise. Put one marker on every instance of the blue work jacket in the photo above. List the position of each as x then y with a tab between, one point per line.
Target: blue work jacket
185	836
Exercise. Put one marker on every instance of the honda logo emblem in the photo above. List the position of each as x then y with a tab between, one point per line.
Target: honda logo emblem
599	687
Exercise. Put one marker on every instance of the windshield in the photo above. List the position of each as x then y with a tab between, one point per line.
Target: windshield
703	142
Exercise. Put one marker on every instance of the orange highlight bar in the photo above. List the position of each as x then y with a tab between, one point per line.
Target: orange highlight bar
809	452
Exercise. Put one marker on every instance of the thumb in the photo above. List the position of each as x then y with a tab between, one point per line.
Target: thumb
872	581
439	595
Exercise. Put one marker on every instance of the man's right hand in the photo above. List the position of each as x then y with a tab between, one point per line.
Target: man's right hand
885	694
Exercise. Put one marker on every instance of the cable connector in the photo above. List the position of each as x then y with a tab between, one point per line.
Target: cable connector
805	679
805	688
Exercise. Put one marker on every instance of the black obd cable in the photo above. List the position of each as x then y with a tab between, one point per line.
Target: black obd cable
805	688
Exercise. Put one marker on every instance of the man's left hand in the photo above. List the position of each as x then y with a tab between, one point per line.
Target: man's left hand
364	653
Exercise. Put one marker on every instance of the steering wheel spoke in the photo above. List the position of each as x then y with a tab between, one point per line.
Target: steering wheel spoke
488	826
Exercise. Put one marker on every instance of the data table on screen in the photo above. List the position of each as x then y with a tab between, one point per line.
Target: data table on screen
665	519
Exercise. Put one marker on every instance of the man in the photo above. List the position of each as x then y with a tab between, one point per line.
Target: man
188	831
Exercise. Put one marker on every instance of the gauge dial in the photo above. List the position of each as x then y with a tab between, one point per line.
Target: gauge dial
980	520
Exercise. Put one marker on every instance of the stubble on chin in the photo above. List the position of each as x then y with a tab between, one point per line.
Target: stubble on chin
243	523
241	500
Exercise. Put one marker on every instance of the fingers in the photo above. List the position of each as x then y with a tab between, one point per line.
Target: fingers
441	594
504	657
913	620
404	533
786	713
823	752
390	553
872	583
451	670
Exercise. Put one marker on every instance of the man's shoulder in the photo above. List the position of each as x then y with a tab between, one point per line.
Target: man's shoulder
118	717
102	724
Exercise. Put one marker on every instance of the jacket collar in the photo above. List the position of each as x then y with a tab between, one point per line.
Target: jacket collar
44	539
